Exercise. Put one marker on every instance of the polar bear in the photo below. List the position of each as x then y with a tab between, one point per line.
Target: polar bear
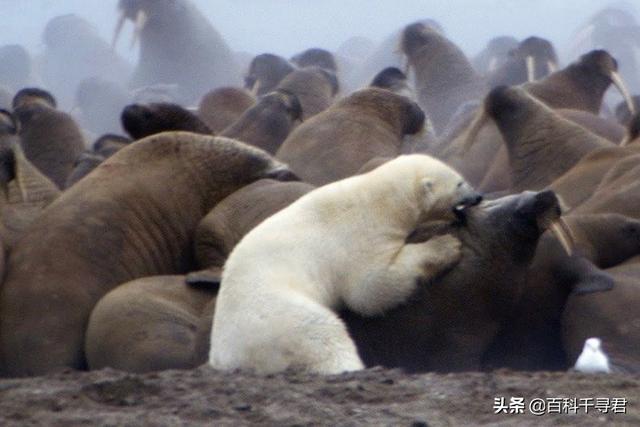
342	244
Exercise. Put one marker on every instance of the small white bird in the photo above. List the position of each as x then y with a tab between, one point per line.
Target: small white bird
592	360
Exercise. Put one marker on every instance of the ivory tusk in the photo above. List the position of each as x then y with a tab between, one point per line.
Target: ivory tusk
563	233
531	68
493	64
619	83
255	88
625	141
118	30
474	128
141	21
406	66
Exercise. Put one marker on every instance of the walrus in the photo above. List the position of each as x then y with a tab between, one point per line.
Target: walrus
533	59
444	77
316	57
174	313
582	84
140	120
31	95
51	139
24	190
541	145
178	45
336	143
221	107
133	216
393	79
268	123
107	145
74	50
494	55
103	148
315	88
266	71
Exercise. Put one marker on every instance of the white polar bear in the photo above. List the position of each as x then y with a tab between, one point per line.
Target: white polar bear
341	244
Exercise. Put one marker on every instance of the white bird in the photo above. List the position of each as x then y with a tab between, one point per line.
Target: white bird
592	360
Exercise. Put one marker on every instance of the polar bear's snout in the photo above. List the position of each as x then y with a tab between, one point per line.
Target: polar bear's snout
467	197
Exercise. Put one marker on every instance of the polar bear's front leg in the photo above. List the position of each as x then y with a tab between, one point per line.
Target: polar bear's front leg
389	286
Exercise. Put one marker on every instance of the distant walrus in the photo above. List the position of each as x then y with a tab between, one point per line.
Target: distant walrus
336	143
178	45
221	107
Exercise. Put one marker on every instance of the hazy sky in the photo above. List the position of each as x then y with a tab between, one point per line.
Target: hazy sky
289	26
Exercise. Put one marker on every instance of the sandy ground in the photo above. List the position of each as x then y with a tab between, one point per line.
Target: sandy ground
372	397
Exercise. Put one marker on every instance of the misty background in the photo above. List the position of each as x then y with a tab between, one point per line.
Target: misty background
288	26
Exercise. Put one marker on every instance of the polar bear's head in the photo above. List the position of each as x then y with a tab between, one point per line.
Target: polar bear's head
443	193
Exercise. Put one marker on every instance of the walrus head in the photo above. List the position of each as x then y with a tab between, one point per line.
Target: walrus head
600	65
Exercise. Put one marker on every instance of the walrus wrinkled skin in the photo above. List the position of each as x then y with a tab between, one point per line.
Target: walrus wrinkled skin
133	216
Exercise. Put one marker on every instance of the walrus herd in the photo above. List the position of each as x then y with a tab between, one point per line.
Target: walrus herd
403	205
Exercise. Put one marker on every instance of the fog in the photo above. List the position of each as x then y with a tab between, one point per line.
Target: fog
288	26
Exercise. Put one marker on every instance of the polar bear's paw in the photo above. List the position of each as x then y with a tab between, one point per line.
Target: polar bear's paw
441	253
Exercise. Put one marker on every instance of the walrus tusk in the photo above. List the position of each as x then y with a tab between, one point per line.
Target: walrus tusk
531	68
493	63
563	233
619	83
141	21
405	65
118	30
255	88
472	131
552	67
625	140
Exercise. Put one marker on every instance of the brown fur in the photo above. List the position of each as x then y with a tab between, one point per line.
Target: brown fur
147	324
268	123
612	316
266	71
619	189
541	145
222	107
133	216
514	70
444	77
554	278
109	144
314	87
579	183
498	176
316	57
24	193
580	86
338	142
235	216
164	322
84	164
51	140
141	120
